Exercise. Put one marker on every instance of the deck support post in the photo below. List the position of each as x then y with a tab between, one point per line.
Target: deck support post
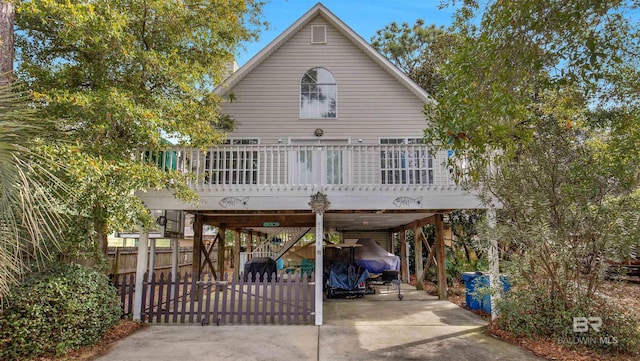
494	263
236	254
441	264
141	268
174	263
404	256
319	269
152	263
319	204
417	242
196	266
221	243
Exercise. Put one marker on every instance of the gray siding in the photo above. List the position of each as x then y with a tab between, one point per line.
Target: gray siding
371	103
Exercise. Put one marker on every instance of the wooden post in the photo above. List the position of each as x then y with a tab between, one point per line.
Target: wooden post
116	264
417	242
319	204
442	271
236	254
152	263
196	267
404	256
174	263
430	256
221	242
141	268
319	267
152	256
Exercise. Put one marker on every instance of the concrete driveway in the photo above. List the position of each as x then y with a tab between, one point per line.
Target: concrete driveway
377	327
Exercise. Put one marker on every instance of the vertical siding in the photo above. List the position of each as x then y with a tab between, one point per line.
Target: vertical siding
371	103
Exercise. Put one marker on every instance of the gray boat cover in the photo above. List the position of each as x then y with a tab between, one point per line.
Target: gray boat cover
375	258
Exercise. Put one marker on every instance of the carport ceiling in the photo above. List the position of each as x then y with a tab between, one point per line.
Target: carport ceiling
370	221
338	221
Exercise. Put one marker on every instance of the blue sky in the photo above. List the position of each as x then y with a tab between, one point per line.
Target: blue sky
363	16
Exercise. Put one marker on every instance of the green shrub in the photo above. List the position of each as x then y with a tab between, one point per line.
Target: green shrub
534	314
60	309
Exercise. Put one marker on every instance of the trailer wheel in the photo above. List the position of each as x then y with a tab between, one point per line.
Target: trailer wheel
328	292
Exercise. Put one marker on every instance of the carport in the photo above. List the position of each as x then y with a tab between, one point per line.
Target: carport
388	222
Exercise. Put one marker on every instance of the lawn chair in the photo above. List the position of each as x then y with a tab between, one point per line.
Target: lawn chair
307	266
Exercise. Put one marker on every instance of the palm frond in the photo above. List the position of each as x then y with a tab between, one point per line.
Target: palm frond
30	195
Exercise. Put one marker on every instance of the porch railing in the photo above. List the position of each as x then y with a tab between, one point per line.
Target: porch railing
303	165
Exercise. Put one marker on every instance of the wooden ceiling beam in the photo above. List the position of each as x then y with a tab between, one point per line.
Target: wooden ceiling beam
419	223
259	220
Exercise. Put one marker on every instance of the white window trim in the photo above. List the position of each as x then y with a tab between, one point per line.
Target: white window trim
430	160
300	96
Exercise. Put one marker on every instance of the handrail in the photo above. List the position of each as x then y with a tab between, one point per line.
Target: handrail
304	165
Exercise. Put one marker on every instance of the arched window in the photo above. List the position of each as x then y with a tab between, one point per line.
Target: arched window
318	94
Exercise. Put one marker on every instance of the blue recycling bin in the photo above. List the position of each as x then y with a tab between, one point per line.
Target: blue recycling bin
476	280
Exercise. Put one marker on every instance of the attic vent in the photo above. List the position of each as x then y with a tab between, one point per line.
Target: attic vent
318	34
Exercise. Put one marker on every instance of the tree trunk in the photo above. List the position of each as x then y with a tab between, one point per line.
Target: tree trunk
101	237
6	41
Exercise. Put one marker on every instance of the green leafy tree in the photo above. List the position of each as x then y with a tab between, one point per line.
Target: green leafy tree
538	105
418	50
421	51
122	75
520	49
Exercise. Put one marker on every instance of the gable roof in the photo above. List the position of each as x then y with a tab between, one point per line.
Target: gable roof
346	31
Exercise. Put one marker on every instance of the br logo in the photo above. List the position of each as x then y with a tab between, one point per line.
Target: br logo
581	324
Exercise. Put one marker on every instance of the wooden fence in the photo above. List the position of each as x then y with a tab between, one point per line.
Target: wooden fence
280	299
123	260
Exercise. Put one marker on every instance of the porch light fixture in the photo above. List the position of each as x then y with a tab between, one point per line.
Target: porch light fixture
359	140
161	221
318	132
279	140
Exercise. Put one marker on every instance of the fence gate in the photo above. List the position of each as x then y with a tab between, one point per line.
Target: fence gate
278	299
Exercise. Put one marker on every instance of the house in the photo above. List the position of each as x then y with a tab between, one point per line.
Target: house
327	138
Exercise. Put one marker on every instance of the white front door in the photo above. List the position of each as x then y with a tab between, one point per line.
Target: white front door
318	162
